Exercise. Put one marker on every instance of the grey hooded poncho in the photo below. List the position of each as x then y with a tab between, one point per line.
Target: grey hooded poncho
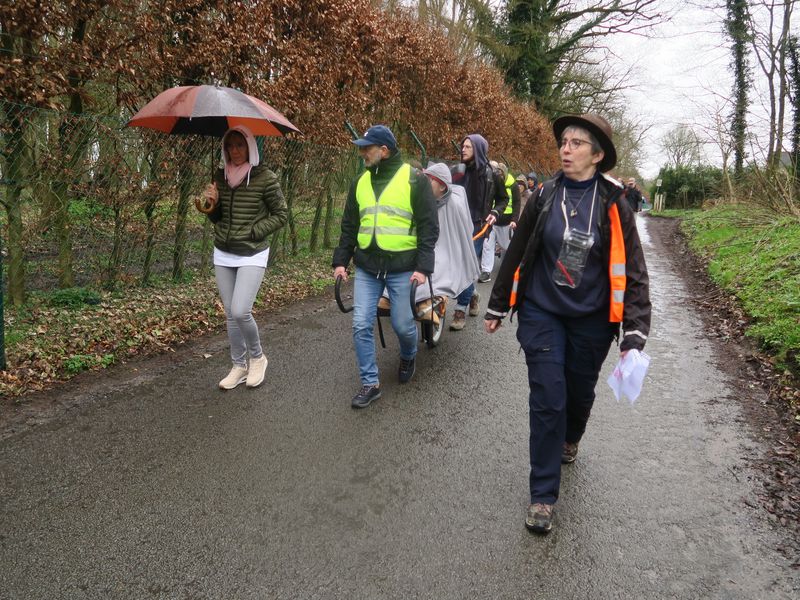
456	265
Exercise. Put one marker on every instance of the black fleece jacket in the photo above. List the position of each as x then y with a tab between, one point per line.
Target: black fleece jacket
426	221
526	243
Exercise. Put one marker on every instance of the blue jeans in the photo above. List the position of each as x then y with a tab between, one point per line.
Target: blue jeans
462	301
367	291
564	357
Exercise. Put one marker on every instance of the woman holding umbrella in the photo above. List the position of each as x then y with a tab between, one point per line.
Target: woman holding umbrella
246	205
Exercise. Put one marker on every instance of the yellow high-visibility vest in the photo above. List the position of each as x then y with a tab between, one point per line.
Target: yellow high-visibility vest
509	185
389	219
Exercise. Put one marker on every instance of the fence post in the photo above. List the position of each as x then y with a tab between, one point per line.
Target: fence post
424	156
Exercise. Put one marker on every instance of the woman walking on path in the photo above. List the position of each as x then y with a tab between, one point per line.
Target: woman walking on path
574	271
246	205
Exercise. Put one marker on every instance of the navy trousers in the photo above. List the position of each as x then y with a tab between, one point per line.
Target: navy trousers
564	357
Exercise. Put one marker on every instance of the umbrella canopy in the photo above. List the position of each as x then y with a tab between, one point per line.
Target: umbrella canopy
210	110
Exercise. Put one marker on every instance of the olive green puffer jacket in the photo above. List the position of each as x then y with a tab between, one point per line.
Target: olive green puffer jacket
246	215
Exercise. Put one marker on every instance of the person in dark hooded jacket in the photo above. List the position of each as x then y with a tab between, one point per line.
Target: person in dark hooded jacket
487	199
389	227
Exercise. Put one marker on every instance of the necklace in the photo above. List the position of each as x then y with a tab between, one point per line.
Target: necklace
574	209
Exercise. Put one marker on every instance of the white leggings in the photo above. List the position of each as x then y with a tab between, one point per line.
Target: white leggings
238	287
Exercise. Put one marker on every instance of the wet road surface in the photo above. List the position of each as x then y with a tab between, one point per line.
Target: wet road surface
169	488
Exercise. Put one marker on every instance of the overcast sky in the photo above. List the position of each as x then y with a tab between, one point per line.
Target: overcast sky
683	76
680	67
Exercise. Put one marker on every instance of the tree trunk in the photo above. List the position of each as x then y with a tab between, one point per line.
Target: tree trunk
149	211
16	241
115	260
736	25
14	173
326	240
179	252
208	236
313	243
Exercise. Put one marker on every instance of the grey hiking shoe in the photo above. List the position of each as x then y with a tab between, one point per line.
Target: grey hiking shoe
473	305
569	453
539	518
459	320
484	277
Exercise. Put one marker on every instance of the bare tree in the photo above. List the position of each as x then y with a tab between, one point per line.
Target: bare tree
769	22
715	131
629	135
540	42
468	24
682	146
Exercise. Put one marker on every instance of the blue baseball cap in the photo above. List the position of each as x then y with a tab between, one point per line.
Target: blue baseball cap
377	135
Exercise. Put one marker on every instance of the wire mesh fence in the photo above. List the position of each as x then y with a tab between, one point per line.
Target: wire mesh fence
90	202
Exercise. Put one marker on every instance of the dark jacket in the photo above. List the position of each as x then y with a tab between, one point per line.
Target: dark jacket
426	221
486	191
506	219
245	216
634	197
526	243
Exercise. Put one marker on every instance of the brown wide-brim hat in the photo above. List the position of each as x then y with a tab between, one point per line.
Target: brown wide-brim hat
599	127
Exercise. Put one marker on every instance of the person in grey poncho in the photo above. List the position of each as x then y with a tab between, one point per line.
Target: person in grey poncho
456	264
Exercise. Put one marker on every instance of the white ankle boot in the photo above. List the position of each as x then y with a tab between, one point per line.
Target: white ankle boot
258	367
237	376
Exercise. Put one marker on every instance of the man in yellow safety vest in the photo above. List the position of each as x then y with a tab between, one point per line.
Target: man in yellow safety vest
389	229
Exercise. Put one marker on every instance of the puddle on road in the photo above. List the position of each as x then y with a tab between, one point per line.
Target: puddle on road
644	235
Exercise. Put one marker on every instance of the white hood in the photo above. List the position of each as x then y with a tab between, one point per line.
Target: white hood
252	148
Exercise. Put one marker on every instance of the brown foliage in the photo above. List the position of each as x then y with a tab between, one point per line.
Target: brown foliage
319	61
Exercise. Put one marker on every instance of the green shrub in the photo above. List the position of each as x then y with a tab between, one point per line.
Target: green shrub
688	187
74	297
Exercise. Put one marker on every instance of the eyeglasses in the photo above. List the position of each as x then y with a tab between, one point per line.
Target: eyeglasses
574	143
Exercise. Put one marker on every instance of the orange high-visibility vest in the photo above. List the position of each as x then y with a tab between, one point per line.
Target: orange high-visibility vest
616	266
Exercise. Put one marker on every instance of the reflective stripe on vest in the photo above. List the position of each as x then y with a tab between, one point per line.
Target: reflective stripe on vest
389	218
509	185
514	287
616	266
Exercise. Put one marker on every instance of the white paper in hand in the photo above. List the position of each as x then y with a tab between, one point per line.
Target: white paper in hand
628	376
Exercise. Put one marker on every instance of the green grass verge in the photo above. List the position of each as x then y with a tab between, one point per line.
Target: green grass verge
756	256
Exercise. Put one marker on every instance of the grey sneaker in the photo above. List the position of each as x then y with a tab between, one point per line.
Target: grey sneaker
406	370
484	277
473	305
569	453
459	320
539	518
365	396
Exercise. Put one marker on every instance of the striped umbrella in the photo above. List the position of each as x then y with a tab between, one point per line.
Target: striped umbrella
210	110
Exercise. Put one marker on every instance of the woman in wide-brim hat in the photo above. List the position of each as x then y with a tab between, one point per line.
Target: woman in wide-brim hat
574	273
